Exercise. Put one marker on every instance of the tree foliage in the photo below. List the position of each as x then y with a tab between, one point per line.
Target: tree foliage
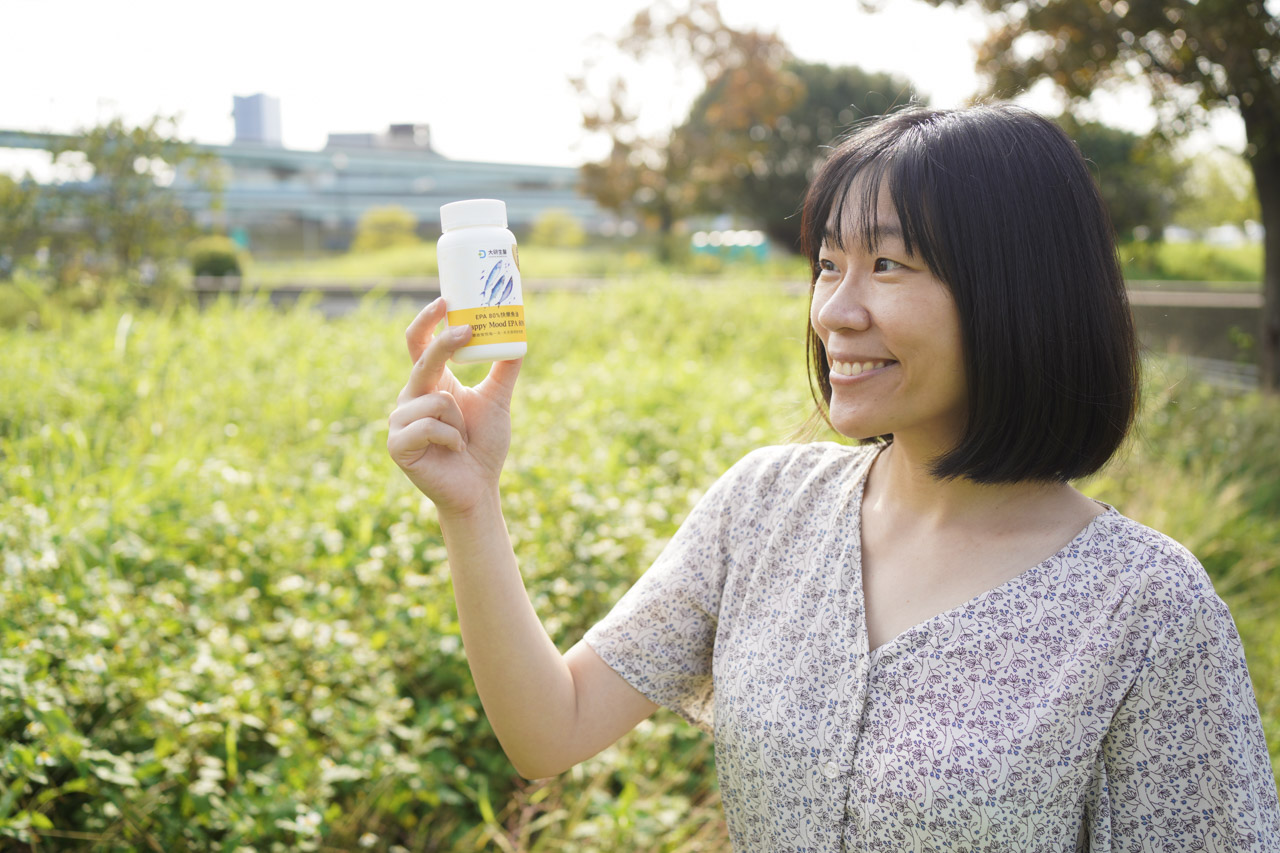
1138	177
758	162
659	176
1219	191
1194	55
21	223
752	139
122	221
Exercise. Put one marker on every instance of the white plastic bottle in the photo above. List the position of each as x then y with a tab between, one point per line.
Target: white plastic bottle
480	279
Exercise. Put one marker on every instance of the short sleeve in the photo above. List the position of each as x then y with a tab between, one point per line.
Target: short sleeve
660	636
1184	763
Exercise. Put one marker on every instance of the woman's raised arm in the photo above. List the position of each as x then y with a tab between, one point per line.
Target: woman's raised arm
549	711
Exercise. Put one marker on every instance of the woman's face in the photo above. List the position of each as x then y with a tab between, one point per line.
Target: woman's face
892	337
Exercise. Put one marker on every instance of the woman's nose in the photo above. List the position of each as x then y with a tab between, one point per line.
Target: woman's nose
845	307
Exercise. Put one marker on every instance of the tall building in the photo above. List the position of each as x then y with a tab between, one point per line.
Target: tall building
257	120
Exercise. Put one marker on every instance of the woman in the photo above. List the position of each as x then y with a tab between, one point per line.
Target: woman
931	641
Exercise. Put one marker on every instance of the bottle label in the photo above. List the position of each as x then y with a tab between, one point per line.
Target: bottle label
502	324
482	286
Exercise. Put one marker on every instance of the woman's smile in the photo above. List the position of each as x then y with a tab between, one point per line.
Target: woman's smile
846	372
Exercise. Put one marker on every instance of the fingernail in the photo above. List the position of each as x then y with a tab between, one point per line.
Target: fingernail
460	332
435	302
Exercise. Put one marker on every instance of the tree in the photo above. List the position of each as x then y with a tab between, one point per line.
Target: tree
122	221
1219	191
657	175
1138	177
1194	55
22	221
759	162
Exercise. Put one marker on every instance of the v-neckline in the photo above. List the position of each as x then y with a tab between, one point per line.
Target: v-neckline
865	638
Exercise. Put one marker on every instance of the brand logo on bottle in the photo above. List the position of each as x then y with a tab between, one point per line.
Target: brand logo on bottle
482	253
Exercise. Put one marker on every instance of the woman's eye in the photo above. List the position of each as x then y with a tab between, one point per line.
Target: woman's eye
825	265
887	265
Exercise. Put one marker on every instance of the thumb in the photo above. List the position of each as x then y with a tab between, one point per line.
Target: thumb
501	381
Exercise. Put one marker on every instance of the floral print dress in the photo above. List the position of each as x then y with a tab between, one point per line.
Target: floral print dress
1098	701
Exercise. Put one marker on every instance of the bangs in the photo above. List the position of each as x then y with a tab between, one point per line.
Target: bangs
843	208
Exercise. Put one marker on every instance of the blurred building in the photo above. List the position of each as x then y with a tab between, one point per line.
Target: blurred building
399	137
257	119
277	200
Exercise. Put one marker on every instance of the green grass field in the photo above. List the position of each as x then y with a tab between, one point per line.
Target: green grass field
1232	268
227	620
419	261
1229	268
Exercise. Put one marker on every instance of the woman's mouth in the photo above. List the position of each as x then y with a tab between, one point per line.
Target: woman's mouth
858	369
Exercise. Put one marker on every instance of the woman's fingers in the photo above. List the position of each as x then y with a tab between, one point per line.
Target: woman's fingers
409	442
440	405
419	333
430	366
502	379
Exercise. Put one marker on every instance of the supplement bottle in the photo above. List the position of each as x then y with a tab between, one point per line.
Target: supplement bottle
480	279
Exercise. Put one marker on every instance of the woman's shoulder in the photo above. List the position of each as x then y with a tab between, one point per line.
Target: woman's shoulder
1140	569
807	455
791	466
773	478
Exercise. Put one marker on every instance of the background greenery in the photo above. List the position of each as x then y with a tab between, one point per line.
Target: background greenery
1234	267
226	619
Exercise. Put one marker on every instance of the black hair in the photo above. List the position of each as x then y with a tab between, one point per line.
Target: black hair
999	204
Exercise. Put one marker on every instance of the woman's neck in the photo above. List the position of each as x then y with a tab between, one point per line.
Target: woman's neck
900	487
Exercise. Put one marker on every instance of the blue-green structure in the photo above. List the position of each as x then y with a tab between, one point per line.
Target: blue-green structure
281	200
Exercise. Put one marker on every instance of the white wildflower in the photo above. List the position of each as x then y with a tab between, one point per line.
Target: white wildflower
332	540
290	583
309	822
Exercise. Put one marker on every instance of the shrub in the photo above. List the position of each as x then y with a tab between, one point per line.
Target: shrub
385	228
228	618
557	228
215	255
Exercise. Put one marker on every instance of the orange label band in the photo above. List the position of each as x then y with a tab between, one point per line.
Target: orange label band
501	324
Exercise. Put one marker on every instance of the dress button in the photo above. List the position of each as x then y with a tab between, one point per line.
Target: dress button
830	770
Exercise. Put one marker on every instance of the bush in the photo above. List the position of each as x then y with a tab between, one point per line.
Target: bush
228	617
385	228
557	228
215	255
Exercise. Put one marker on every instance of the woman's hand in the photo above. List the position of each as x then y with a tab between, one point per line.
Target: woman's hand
450	440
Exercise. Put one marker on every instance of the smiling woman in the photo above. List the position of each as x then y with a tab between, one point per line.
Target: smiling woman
932	641
998	204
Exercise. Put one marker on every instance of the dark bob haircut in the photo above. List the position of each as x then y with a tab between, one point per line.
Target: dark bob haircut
999	204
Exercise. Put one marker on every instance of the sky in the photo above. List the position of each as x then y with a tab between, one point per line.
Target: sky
491	77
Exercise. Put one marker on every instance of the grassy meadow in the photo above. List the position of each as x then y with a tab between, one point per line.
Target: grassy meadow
225	616
418	260
1225	267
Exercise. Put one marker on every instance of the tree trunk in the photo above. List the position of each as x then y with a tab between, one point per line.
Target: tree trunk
1269	333
1264	142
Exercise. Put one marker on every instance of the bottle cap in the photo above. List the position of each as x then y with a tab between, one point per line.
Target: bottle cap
475	211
